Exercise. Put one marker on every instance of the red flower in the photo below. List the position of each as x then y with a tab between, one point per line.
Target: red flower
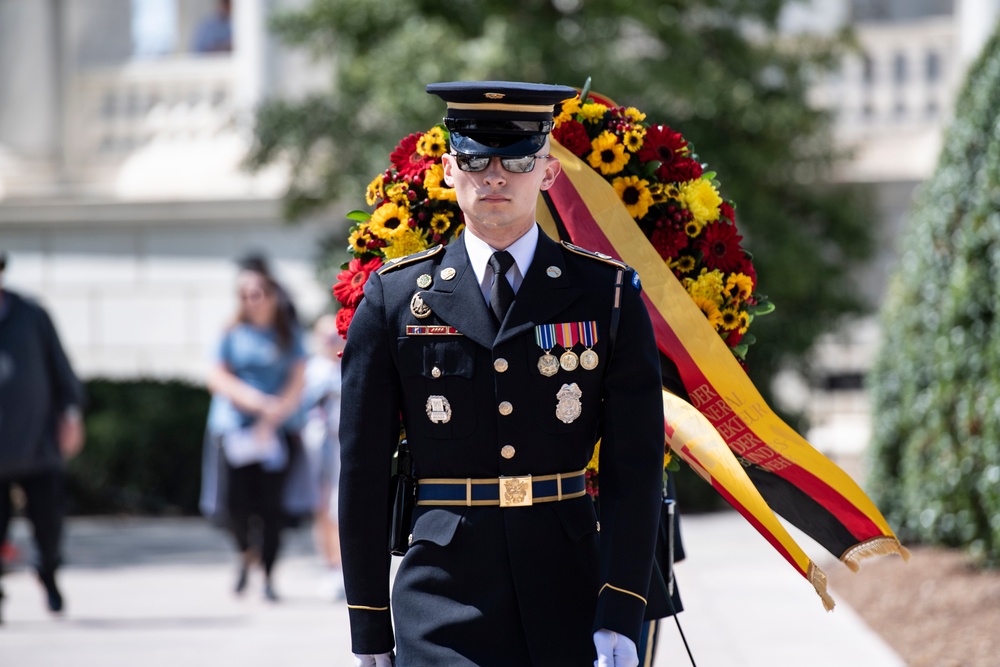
662	144
669	241
720	245
407	161
681	170
350	285
573	136
727	212
733	338
344	317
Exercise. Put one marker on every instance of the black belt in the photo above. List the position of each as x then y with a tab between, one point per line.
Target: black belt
520	491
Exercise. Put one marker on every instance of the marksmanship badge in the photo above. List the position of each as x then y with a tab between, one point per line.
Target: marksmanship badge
438	409
569	407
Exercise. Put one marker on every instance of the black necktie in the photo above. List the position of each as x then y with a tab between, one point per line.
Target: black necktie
501	293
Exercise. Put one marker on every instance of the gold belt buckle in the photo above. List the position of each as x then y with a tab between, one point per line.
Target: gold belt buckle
515	491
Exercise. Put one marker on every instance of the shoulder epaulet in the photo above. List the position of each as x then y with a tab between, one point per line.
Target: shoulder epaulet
409	259
600	256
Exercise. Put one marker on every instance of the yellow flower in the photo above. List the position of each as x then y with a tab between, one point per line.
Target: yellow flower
406	243
730	318
459	229
707	286
668	456
684	264
432	143
389	221
659	193
375	191
593	112
440	222
434	183
711	311
633	115
702	199
607	154
594	459
569	109
633	139
744	322
397	193
634	194
693	227
742	283
359	238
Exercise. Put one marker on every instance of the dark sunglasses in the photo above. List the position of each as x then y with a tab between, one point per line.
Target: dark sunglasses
515	165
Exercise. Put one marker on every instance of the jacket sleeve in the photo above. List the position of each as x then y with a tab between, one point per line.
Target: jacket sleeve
67	389
631	470
369	433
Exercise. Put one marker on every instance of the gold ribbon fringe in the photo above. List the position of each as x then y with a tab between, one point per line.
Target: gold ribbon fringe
817	578
876	546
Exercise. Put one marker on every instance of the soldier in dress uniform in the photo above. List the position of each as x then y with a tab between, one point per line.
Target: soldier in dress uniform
505	357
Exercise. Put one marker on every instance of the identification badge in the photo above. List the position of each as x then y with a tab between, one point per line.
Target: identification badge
438	409
569	406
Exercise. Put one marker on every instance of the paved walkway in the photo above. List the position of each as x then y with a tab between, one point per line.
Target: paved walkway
156	593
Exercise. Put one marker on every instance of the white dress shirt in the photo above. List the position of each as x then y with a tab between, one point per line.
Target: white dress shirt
522	250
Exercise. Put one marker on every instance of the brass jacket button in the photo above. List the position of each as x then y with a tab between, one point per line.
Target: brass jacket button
435	372
506	408
500	365
507	452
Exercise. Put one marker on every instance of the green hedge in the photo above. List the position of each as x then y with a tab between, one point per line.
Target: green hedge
936	381
143	449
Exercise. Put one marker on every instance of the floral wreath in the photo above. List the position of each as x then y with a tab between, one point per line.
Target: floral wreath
656	173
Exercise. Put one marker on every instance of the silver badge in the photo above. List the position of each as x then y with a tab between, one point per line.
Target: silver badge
424	281
569	407
438	409
448	273
553	272
419	309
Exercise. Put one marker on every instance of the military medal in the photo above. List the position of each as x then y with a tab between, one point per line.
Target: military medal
588	336
567	335
568	361
438	409
419	309
424	281
545	337
447	273
569	407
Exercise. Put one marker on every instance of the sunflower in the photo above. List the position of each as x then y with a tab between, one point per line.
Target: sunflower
568	109
693	227
711	310
435	185
406	243
359	239
440	222
432	144
742	283
398	193
635	194
376	190
744	322
633	115
730	318
683	264
389	221
633	139
607	155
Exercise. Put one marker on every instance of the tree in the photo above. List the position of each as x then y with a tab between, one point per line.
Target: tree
714	70
936	381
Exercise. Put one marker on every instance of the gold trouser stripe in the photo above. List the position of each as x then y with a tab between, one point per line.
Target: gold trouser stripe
500	106
367	608
647	660
621	590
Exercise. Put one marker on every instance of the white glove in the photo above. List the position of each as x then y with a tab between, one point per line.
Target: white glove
380	660
614	650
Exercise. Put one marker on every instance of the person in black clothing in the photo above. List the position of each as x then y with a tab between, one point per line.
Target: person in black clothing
40	426
505	356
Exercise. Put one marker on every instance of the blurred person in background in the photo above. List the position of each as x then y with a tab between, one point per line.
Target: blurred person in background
256	384
215	33
321	441
40	427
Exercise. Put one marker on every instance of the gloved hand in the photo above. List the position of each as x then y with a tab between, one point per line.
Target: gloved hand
380	660
615	650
